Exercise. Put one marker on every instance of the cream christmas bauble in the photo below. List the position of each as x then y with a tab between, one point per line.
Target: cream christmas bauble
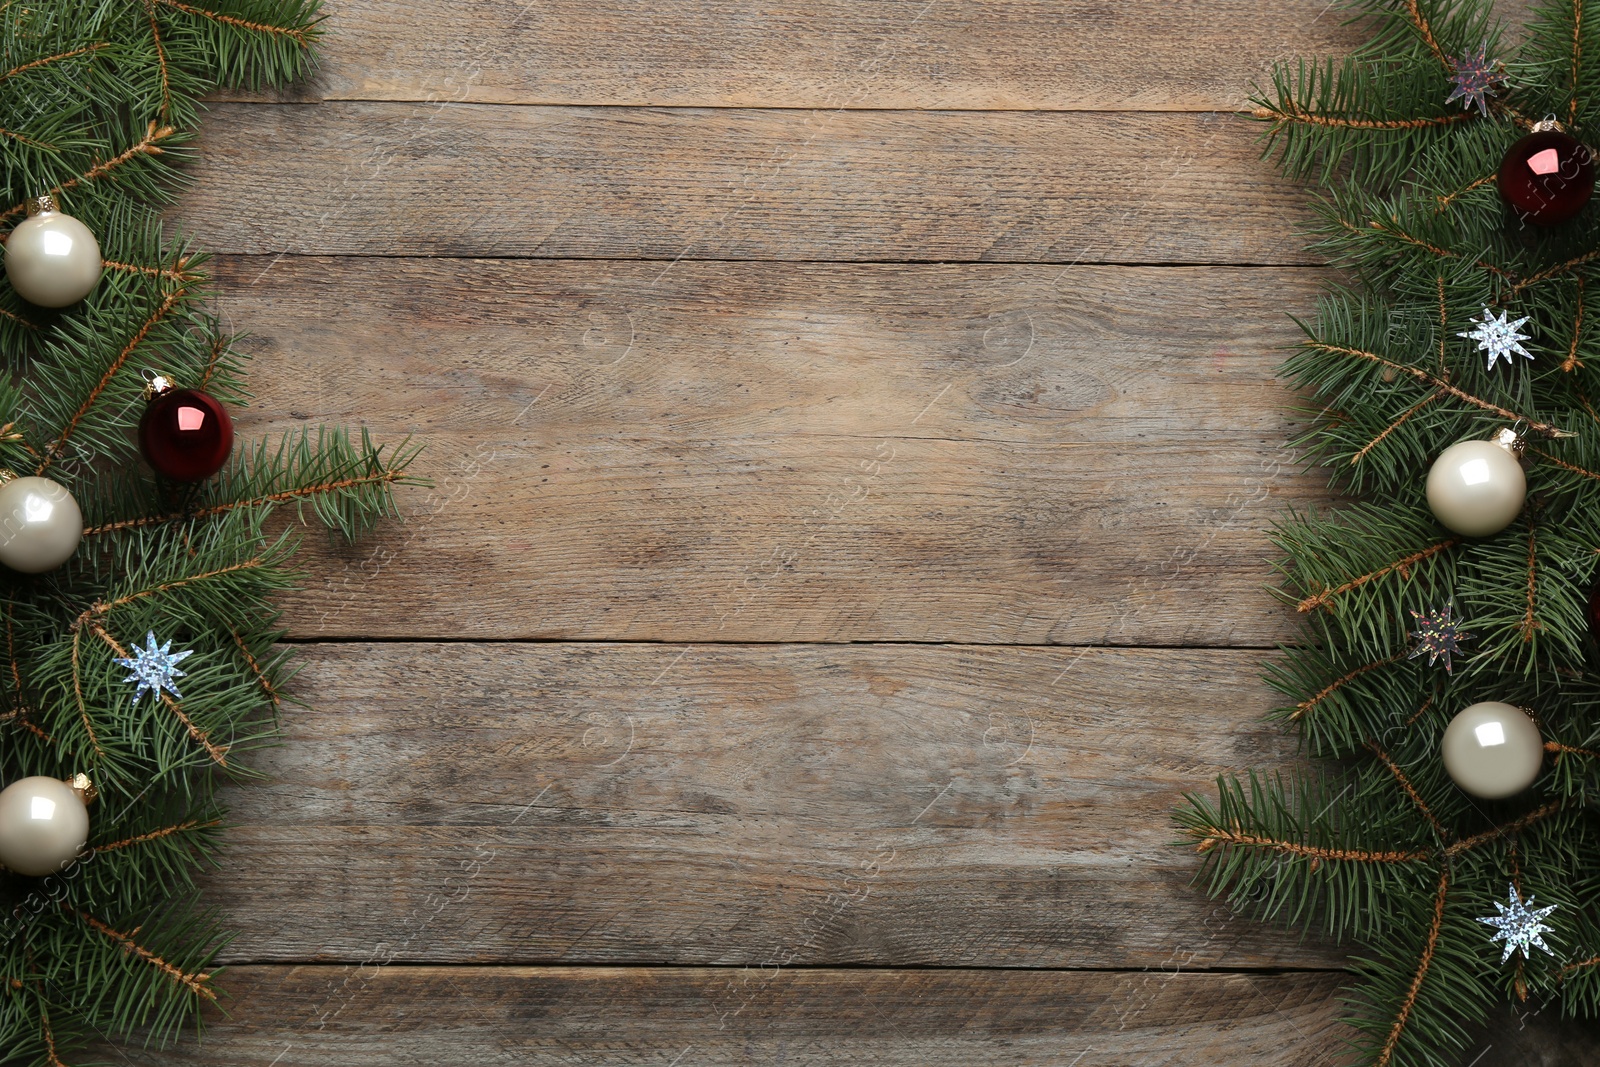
51	259
1493	750
44	824
40	525
1476	488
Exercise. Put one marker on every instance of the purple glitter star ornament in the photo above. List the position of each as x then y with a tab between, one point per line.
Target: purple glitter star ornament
1475	77
1438	636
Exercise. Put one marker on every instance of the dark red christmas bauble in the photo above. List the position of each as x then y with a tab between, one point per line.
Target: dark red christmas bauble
185	435
1547	177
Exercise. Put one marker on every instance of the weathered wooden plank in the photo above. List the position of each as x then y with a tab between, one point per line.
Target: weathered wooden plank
824	54
481	180
794	452
748	805
689	1017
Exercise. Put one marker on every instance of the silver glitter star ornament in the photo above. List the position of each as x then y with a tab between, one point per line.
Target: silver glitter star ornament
1520	926
1498	337
154	668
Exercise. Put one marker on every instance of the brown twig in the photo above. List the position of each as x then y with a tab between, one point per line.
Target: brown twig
178	275
218	754
219	509
1558	269
1577	55
1562	750
1572	363
156	835
195	983
1394	230
1530	622
161	59
77	689
148	145
1423	964
58	57
1322	599
156	316
1215	836
1410	790
1292	112
1542	428
100	608
1304	706
1449	198
1393	426
1423	28
1516	825
301	35
255	668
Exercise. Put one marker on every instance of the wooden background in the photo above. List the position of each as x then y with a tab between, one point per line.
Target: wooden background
854	433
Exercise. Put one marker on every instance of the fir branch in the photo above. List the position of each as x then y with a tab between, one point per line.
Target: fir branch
218	753
44	61
1423	965
1394	425
1288	112
148	145
1542	428
1307	705
1410	790
195	983
53	450
1572	363
1213	836
1401	566
301	35
156	835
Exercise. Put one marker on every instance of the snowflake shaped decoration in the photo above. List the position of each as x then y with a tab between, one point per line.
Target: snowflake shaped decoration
1474	77
1519	926
154	668
1438	636
1498	337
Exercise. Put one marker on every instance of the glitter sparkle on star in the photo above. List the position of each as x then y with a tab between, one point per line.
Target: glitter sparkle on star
1519	926
1438	636
154	668
1498	337
1474	77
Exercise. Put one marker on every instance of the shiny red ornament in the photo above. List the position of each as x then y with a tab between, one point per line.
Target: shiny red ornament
1547	177
185	435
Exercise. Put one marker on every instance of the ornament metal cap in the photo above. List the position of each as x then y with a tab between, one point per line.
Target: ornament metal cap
1549	122
7	475
155	384
41	205
1510	440
80	784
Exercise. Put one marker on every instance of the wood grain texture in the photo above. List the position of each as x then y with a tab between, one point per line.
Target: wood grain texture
801	452
688	1017
824	54
748	805
387	179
